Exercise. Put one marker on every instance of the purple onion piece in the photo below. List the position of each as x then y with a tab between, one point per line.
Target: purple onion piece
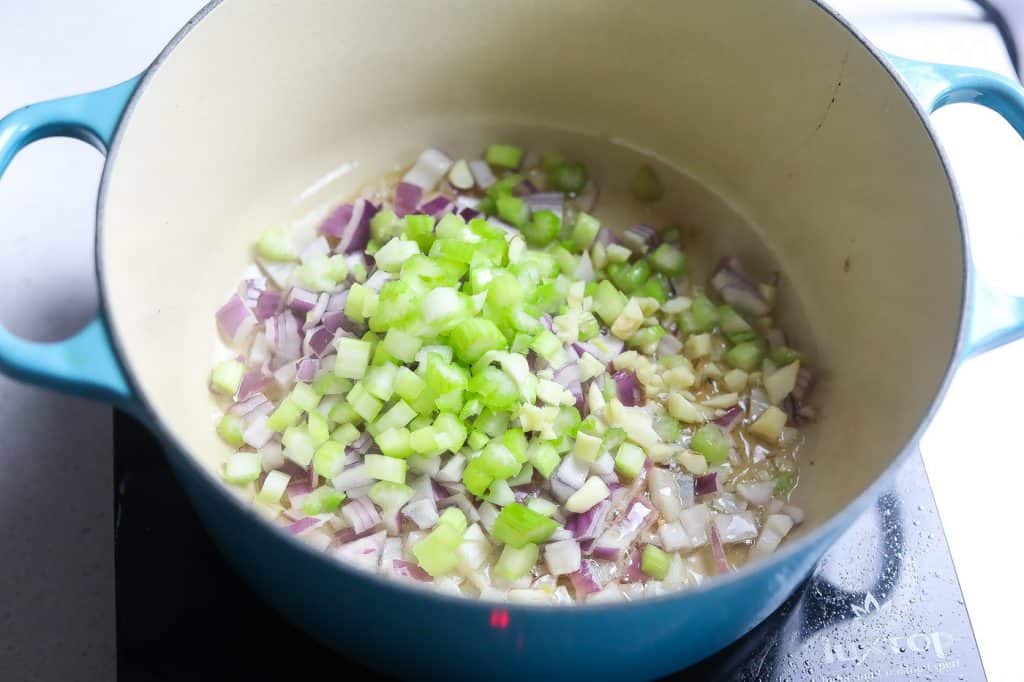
407	198
590	524
628	388
253	382
730	419
641	239
235	320
706	484
583	581
437	206
407	569
737	289
482	174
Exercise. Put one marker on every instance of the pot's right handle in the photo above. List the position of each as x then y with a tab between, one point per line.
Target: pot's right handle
993	317
84	364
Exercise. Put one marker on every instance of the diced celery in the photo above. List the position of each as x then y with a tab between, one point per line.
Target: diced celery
343	413
513	210
476	478
436	553
514	563
384	468
495	389
364	404
667	428
704	314
453	249
353	358
230	429
393	255
323	500
500	493
321	273
318	429
629	278
710	442
515	441
544	458
401	345
669	260
305	397
455	431
454	517
408	385
227	376
385	224
478	439
608	302
542	506
569	177
394	442
443	308
585	231
473	337
629	460
380	381
424	441
654	561
542	229
398	415
547	345
345	434
298	446
498	461
420	229
328	383
746	356
286	414
503	155
276	244
329	459
518	526
390	496
645	338
242	467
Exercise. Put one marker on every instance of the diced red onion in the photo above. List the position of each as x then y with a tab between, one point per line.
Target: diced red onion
628	388
314	316
319	341
669	345
246	405
251	289
561	490
795	513
606	237
730	419
304	524
377	280
407	198
584	581
302	300
364	552
618	537
759	493
585	269
717	550
463	202
568	375
563	557
735	528
361	514
428	170
462	502
587	199
804	383
312	476
407	569
361	445
613	345
354	477
235	320
268	305
508	229
307	369
632	572
336	222
590	524
422	512
468	214
257	434
253	382
788	406
738	290
706	484
286	341
758	402
666	493
285	374
482	174
641	238
271	456
546	201
349	534
437	206
353	233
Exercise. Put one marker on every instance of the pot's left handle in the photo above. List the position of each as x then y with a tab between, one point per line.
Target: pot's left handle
994	318
84	364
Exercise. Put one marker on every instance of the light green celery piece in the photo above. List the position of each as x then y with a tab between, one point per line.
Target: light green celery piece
353	358
227	377
276	244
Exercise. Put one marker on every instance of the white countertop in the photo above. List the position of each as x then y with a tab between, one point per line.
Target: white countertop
56	578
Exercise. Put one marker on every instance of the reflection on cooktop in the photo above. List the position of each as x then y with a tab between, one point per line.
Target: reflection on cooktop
884	604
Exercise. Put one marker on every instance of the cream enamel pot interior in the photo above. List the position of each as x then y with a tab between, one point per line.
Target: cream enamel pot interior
798	139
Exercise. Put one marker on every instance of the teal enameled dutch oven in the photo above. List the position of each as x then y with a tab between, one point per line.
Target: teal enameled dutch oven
818	145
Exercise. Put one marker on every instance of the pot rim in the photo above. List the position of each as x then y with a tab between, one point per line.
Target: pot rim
837	523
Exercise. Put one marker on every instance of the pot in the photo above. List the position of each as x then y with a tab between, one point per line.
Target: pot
792	128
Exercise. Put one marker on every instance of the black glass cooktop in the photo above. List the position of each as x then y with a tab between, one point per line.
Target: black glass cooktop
884	604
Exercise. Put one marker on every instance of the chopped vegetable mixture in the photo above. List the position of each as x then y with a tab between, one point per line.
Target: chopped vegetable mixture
474	384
